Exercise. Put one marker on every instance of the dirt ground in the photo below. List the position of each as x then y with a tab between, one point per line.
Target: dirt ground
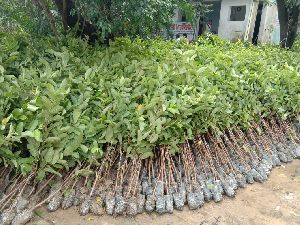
274	202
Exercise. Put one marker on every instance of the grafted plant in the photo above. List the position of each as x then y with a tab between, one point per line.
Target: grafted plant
141	125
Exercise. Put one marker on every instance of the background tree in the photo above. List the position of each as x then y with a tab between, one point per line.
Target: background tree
99	19
288	15
23	15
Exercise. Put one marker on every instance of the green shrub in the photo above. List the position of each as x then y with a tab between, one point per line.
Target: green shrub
64	101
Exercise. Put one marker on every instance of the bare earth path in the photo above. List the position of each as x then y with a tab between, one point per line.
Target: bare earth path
276	201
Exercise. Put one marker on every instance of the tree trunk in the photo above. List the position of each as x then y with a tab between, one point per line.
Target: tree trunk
64	8
283	18
288	20
293	25
75	21
64	15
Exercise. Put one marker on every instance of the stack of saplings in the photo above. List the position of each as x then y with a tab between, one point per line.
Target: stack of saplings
141	125
207	168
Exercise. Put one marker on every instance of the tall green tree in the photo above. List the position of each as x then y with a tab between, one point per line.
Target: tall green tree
23	15
100	19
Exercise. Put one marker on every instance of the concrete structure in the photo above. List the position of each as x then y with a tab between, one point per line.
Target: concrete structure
248	20
234	29
269	27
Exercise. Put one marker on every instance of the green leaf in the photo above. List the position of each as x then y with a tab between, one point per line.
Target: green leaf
49	169
173	110
49	155
76	115
84	148
52	140
32	108
2	72
5	120
153	138
56	157
88	73
84	172
147	155
109	132
37	135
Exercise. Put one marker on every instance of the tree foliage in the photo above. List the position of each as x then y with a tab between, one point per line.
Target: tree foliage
22	15
96	18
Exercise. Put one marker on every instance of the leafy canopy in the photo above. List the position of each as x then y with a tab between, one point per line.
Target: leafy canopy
145	18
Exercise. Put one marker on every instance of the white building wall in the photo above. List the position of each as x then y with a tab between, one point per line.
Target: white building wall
233	29
269	30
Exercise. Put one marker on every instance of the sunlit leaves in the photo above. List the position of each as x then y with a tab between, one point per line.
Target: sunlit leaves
69	103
